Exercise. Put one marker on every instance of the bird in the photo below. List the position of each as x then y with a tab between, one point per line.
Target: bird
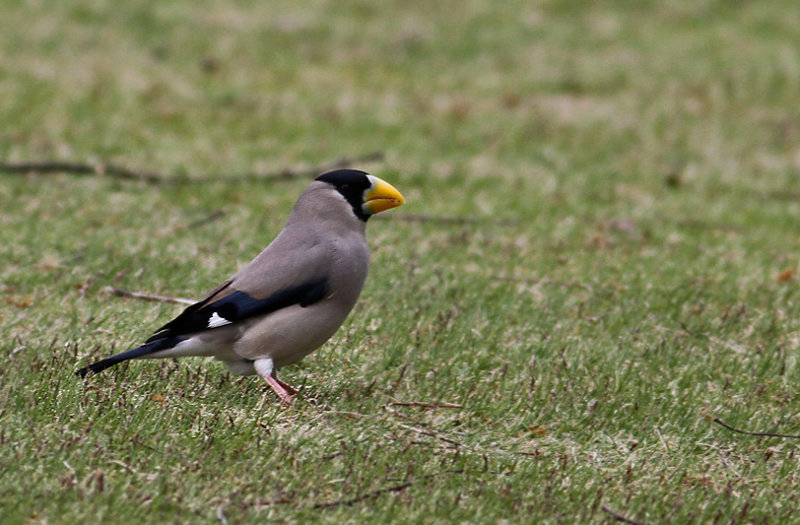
292	297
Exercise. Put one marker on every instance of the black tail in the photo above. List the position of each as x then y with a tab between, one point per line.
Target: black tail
139	351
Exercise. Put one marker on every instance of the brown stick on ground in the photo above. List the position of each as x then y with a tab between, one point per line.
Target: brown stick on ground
362	497
121	172
619	517
79	169
721	423
147	296
422	405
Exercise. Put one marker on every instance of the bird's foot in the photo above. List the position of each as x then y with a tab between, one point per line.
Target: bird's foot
265	368
292	391
285	394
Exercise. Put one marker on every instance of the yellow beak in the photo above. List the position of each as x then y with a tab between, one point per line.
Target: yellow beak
381	196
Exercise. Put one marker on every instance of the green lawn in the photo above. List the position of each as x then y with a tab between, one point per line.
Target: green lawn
596	259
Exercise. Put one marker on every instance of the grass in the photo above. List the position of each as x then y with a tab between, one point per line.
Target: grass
626	275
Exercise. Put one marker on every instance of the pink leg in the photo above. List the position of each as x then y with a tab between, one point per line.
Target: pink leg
286	386
264	368
279	388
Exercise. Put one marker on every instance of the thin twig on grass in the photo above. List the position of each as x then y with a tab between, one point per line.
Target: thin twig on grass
331	456
619	517
348	501
362	497
146	296
378	492
77	168
211	217
121	172
433	435
721	423
422	405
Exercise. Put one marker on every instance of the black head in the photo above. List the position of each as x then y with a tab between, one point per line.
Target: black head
351	184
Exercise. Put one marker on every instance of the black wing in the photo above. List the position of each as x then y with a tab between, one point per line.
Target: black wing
237	307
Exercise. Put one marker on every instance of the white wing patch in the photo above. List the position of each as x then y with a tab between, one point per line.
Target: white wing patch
215	321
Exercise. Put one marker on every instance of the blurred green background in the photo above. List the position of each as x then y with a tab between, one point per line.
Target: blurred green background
597	258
